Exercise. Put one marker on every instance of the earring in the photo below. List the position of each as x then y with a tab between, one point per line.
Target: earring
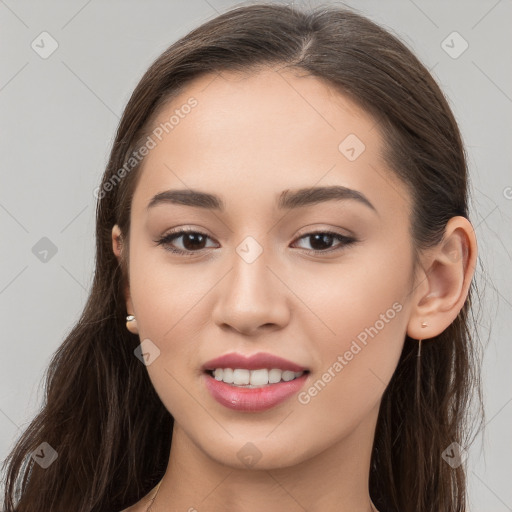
131	324
423	324
418	370
418	376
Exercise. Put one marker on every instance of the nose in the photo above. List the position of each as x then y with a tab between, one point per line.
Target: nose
253	297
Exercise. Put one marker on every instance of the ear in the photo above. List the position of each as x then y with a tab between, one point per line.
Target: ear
117	247
442	285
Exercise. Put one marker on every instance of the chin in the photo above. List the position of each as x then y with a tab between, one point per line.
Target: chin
255	454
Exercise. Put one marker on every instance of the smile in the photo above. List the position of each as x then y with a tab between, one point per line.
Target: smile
253	378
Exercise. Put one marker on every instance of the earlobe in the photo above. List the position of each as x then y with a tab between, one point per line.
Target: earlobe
131	324
449	270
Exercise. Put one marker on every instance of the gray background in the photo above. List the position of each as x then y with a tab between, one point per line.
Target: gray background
58	119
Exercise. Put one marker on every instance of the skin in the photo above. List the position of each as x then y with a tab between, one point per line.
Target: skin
249	138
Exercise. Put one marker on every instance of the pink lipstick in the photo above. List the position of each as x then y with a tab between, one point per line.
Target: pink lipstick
254	383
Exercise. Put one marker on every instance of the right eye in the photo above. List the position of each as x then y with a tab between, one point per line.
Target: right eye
193	241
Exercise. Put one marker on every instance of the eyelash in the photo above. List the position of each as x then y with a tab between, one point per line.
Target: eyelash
166	239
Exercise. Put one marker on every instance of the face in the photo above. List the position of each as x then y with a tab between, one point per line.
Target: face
320	280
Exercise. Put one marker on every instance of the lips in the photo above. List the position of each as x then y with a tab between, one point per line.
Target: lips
252	398
253	362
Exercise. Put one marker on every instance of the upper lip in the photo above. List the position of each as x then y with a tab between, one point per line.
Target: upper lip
253	362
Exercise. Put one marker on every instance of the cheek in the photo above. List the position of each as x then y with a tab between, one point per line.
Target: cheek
362	318
164	292
356	297
357	365
166	305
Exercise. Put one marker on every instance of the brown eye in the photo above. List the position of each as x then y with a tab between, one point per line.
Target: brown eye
321	241
192	241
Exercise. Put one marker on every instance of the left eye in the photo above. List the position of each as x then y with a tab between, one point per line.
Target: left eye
193	241
322	238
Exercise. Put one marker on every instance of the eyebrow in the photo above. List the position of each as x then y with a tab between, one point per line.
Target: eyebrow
288	199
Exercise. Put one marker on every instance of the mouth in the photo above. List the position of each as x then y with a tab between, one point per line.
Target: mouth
253	391
253	383
252	379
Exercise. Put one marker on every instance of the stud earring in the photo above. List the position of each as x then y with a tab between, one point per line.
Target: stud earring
131	324
424	324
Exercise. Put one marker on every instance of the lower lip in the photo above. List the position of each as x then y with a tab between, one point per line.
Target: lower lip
253	399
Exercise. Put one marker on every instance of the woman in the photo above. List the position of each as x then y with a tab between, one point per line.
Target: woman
279	317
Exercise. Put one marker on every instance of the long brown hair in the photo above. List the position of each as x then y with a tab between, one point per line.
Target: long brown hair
101	413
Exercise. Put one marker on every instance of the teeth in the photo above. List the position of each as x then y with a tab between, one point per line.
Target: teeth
274	376
288	375
241	377
259	377
226	375
254	378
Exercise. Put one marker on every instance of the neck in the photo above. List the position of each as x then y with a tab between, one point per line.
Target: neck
334	480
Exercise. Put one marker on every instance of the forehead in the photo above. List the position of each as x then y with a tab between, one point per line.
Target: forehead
263	132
